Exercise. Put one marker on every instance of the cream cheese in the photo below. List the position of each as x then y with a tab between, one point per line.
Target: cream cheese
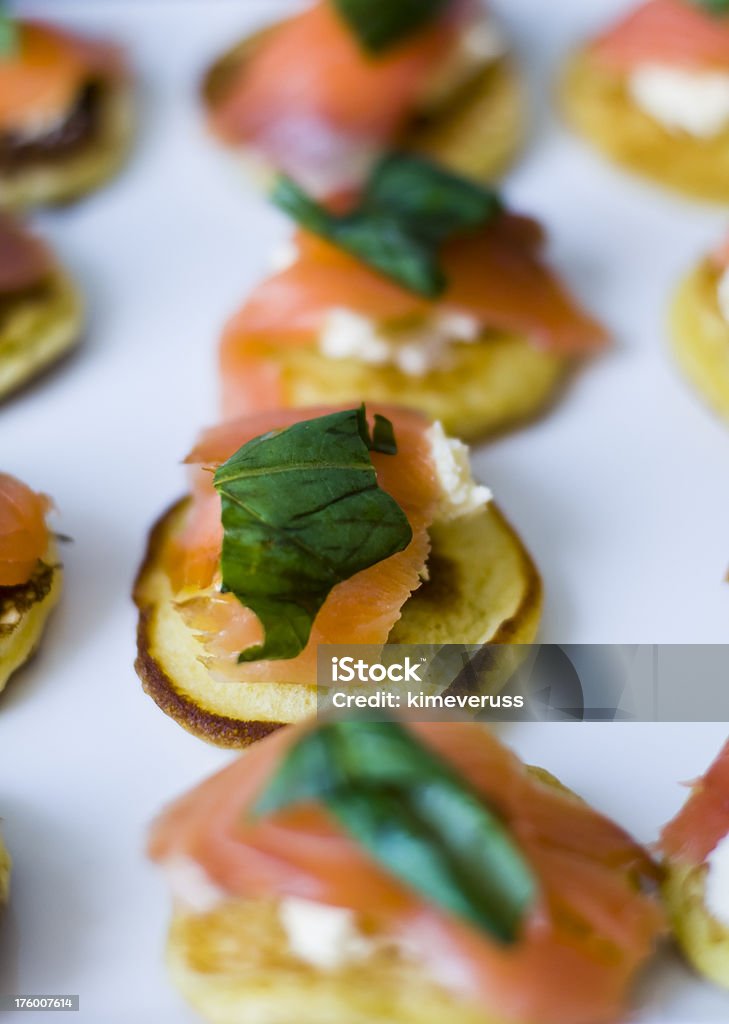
323	936
414	351
191	885
694	102
460	494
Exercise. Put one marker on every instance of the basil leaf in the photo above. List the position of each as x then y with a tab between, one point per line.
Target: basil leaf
9	35
414	815
380	24
501	884
301	512
292	199
392	833
394	249
304	775
372	236
718	7
383	436
409	208
343	754
433	201
378	754
382	439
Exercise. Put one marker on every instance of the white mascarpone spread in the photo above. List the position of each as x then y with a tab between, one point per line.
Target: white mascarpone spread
694	102
325	937
191	885
460	494
415	350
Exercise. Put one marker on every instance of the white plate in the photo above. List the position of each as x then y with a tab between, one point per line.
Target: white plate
622	495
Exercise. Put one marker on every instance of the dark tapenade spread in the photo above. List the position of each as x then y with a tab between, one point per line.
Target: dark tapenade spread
78	130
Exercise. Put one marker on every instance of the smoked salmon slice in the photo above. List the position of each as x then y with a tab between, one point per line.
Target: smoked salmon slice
314	102
361	610
24	259
41	81
671	32
496	276
592	926
703	821
23	531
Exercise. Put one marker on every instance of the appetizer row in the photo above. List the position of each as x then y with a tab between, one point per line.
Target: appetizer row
382	871
65	128
435	77
367	871
346	335
325	96
321	95
475	330
341	506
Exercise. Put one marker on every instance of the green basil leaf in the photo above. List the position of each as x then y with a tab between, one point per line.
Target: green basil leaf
718	7
408	210
384	824
301	512
382	439
344	754
304	775
414	815
9	35
393	248
383	436
380	24
372	236
378	754
501	884
434	201
292	199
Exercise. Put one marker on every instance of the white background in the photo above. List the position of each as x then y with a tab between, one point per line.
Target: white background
622	495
